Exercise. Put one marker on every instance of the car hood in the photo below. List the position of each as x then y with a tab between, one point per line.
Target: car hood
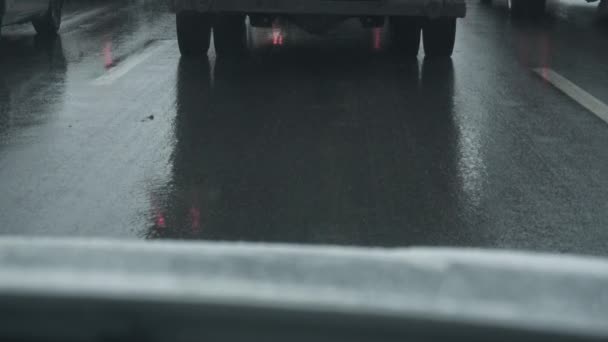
496	288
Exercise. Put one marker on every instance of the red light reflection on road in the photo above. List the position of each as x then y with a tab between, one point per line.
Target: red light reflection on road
108	60
160	220
534	50
195	218
376	38
544	54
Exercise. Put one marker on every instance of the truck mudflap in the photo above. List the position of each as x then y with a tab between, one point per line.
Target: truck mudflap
428	8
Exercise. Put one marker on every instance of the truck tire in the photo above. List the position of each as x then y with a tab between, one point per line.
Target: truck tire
193	33
229	35
527	8
438	37
405	35
602	11
48	24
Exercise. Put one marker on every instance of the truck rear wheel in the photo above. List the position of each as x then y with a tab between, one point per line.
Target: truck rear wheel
438	36
405	35
229	35
602	11
48	24
193	33
527	8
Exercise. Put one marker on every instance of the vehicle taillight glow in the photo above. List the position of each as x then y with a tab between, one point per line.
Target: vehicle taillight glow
277	36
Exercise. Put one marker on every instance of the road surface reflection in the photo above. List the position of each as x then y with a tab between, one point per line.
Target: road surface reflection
277	150
32	82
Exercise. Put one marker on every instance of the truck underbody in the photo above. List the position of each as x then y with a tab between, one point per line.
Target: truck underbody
407	20
427	8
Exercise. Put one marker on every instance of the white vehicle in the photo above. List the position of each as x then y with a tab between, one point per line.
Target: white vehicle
434	20
535	8
44	14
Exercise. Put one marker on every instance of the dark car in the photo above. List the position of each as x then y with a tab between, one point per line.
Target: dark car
45	15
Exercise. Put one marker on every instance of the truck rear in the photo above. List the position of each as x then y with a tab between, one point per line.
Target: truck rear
409	22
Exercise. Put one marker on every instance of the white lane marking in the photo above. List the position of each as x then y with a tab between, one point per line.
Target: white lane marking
84	16
125	66
595	106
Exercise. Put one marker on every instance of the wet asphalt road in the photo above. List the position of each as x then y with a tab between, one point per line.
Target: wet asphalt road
106	133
